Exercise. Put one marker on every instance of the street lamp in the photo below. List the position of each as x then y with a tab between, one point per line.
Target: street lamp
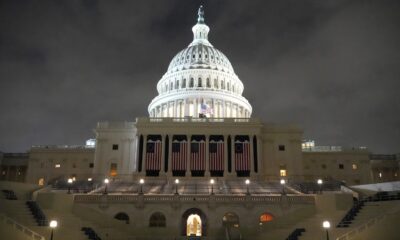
320	182
53	224
326	225
212	185
176	185
141	182
247	185
69	185
106	181
283	182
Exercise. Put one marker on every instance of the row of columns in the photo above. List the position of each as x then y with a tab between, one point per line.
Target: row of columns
207	157
181	108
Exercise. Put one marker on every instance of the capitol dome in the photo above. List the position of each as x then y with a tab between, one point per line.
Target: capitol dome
200	82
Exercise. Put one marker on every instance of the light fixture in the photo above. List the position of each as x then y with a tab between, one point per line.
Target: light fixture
106	181
176	185
53	224
326	225
283	182
247	182
90	179
141	182
69	185
320	182
212	185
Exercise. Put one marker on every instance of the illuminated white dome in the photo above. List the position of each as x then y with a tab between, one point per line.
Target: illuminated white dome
200	81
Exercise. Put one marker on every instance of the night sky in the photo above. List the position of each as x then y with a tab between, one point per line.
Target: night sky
332	67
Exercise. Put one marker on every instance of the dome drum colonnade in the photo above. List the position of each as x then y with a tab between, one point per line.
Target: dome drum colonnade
200	81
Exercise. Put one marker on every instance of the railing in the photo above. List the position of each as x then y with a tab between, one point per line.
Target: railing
31	234
351	234
104	125
131	198
194	120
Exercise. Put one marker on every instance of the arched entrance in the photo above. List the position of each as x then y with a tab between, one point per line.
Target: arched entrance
230	219
194	223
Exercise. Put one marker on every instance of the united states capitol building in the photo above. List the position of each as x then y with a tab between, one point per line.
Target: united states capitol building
199	167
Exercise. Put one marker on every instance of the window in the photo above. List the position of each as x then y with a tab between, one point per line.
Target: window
281	147
200	83
157	220
266	217
177	84
41	181
283	172
341	166
184	83
122	217
208	83
57	165
354	166
91	165
215	83
115	147
113	169
191	83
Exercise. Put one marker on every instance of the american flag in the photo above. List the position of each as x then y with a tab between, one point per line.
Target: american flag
198	155
216	156
242	156
179	155
153	155
205	109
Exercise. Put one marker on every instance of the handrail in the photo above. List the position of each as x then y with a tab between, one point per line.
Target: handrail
349	235
129	198
31	234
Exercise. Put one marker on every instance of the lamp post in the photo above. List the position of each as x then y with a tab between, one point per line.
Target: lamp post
247	186
69	185
326	225
320	182
212	185
106	181
53	224
283	182
176	185
141	182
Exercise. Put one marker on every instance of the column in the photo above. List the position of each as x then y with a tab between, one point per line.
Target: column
251	156
186	111
144	154
259	154
226	173
196	108
207	158
233	154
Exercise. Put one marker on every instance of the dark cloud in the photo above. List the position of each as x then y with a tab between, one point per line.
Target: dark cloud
330	66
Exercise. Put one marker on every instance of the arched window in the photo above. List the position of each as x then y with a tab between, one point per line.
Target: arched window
157	219
222	84
177	84
228	87
184	83
200	83
122	217
215	83
191	83
208	83
171	85
266	217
